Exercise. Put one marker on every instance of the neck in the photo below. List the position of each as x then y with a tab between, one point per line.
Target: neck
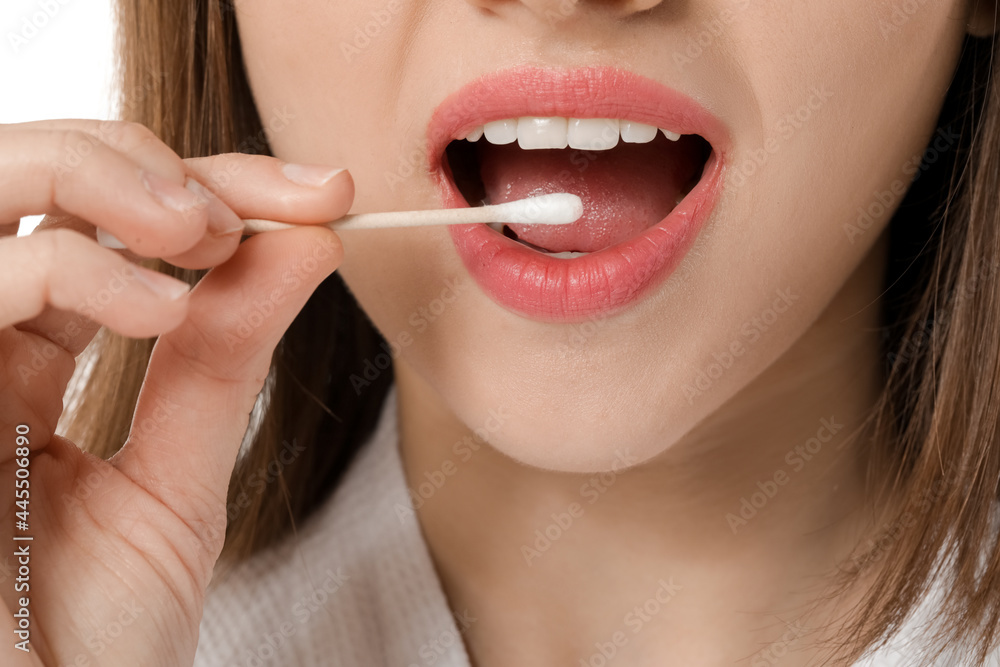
710	552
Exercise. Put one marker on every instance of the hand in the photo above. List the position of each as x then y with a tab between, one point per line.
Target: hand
118	572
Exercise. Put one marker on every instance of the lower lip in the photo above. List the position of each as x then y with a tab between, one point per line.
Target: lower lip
550	289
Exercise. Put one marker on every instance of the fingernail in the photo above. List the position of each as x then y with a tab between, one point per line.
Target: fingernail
109	240
161	285
221	220
171	195
310	175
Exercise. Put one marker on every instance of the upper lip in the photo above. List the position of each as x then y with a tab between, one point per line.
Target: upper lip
586	92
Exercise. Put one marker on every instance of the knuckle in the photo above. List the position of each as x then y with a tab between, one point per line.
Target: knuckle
221	169
76	140
41	249
71	151
52	247
112	128
125	134
38	253
62	240
136	135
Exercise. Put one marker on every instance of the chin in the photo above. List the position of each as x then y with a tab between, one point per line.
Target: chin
586	432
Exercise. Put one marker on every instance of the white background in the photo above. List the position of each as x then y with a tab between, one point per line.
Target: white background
64	68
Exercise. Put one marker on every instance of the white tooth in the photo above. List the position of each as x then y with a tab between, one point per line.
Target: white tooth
475	134
637	133
534	132
673	136
496	226
593	134
568	254
501	132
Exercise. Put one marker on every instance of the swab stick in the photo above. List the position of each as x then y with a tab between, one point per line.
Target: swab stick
559	208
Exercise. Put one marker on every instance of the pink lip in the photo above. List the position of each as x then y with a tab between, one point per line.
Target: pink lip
564	290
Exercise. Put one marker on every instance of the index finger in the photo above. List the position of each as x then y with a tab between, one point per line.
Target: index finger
259	186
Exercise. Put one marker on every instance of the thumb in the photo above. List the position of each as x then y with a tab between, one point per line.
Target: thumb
204	377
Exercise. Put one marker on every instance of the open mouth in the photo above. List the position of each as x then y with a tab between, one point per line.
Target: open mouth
630	175
647	162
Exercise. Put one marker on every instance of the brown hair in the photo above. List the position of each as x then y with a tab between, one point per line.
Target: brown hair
936	425
182	76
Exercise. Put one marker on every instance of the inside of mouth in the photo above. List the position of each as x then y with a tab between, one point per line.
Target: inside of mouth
625	190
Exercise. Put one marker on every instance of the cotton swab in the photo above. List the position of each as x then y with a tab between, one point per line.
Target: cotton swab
558	208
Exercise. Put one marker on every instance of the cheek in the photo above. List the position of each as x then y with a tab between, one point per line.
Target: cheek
334	70
812	180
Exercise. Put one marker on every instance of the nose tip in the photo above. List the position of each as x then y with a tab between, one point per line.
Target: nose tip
558	10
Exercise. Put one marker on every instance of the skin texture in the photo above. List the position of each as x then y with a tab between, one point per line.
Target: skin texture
841	97
151	530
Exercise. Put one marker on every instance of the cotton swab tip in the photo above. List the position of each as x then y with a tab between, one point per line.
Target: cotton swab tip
556	208
559	208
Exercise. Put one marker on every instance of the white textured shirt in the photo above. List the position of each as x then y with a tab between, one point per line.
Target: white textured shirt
356	587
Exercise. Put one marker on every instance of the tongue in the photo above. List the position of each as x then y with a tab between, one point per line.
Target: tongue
624	190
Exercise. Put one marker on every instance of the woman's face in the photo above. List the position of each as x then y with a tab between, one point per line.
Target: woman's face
816	114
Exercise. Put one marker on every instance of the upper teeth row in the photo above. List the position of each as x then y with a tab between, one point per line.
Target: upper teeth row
595	134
